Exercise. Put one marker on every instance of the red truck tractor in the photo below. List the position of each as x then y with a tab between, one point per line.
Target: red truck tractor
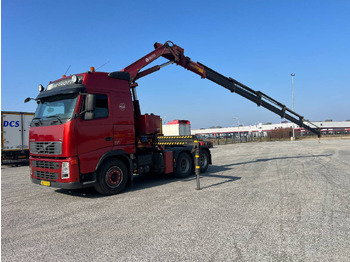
88	130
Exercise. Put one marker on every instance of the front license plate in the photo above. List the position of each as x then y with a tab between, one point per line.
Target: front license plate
45	183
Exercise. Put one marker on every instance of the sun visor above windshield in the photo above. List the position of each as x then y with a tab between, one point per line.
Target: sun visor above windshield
66	89
120	75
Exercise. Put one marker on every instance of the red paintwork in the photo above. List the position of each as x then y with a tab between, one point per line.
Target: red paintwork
168	162
177	122
148	124
60	133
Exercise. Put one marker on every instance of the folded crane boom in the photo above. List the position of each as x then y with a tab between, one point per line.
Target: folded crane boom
175	54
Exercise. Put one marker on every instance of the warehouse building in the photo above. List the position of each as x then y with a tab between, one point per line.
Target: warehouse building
328	127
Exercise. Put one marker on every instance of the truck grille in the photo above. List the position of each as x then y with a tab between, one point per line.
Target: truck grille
46	164
45	175
46	148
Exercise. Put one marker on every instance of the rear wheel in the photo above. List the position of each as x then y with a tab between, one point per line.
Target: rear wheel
183	166
204	161
112	177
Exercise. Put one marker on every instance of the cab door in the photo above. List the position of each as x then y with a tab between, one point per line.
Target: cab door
95	136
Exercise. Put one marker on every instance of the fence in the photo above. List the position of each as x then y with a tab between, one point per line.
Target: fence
280	134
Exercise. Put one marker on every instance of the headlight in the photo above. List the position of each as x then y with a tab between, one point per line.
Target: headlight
74	79
65	170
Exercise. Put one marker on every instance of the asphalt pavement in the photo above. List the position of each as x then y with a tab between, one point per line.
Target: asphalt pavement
271	201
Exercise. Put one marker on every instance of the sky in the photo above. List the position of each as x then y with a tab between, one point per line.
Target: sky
259	43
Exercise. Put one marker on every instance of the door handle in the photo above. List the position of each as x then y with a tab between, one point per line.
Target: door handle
109	138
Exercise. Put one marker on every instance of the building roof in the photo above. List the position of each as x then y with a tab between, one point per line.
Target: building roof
266	127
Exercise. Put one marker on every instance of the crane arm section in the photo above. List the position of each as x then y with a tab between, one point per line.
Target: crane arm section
175	54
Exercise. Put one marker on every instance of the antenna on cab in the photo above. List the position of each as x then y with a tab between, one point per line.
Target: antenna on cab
64	75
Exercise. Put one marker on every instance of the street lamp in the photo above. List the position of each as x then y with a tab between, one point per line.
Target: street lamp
238	123
292	75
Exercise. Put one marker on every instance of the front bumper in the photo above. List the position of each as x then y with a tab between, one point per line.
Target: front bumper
48	172
71	185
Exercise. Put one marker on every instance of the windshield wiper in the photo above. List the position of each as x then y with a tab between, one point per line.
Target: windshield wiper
57	117
39	120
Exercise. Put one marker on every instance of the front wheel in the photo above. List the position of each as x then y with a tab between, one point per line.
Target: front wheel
112	177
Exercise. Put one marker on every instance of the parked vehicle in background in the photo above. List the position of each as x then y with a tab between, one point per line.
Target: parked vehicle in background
208	144
15	136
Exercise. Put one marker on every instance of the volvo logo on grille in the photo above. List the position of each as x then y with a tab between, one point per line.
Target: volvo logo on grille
46	148
43	147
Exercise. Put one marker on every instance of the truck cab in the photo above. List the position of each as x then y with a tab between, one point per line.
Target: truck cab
79	119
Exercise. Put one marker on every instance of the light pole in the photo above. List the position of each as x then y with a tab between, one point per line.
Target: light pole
238	124
292	75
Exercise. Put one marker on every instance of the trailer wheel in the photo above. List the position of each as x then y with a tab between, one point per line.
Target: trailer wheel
183	166
112	177
204	161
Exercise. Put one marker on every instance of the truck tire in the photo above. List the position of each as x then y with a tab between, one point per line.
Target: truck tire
204	161
183	166
112	177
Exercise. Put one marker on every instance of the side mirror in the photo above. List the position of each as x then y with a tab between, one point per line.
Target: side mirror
90	102
89	107
89	115
27	99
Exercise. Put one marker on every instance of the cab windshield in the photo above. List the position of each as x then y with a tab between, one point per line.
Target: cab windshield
59	107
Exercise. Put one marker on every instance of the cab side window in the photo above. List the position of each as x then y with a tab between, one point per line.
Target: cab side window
101	106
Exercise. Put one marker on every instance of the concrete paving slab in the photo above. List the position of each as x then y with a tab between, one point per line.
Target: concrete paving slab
273	201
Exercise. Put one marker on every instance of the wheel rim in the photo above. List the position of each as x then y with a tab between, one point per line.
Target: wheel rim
114	177
203	160
184	165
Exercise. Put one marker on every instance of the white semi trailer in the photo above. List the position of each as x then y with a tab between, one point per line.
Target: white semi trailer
15	136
